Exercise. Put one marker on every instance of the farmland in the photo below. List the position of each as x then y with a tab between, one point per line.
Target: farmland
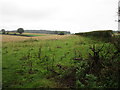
12	38
59	61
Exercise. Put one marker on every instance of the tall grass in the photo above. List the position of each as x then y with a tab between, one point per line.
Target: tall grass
75	62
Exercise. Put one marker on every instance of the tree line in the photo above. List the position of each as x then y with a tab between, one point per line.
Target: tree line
19	30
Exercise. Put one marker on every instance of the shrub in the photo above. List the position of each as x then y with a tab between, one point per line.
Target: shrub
100	69
91	81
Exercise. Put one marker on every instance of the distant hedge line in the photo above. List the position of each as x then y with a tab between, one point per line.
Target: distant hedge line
98	34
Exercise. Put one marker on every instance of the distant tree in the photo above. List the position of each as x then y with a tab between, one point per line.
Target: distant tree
61	33
3	31
20	30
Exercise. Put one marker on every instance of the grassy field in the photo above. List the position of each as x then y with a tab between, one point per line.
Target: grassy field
56	61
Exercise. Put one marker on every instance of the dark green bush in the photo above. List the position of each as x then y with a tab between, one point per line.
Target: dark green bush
100	70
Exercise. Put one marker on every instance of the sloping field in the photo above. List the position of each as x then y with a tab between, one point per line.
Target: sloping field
59	61
12	38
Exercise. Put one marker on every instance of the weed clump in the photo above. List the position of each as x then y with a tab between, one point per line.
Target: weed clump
99	71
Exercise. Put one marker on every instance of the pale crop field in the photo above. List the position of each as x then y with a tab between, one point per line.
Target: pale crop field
12	38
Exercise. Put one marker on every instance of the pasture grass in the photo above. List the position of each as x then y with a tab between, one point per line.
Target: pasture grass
42	63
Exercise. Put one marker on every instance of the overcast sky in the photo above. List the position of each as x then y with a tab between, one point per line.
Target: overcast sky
68	15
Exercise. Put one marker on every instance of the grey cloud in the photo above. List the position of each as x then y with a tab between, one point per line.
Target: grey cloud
11	11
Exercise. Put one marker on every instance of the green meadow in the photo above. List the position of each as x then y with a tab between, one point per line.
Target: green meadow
74	62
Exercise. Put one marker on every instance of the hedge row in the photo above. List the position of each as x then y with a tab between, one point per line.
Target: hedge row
107	33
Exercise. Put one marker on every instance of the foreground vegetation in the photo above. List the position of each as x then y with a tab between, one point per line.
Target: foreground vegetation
74	62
